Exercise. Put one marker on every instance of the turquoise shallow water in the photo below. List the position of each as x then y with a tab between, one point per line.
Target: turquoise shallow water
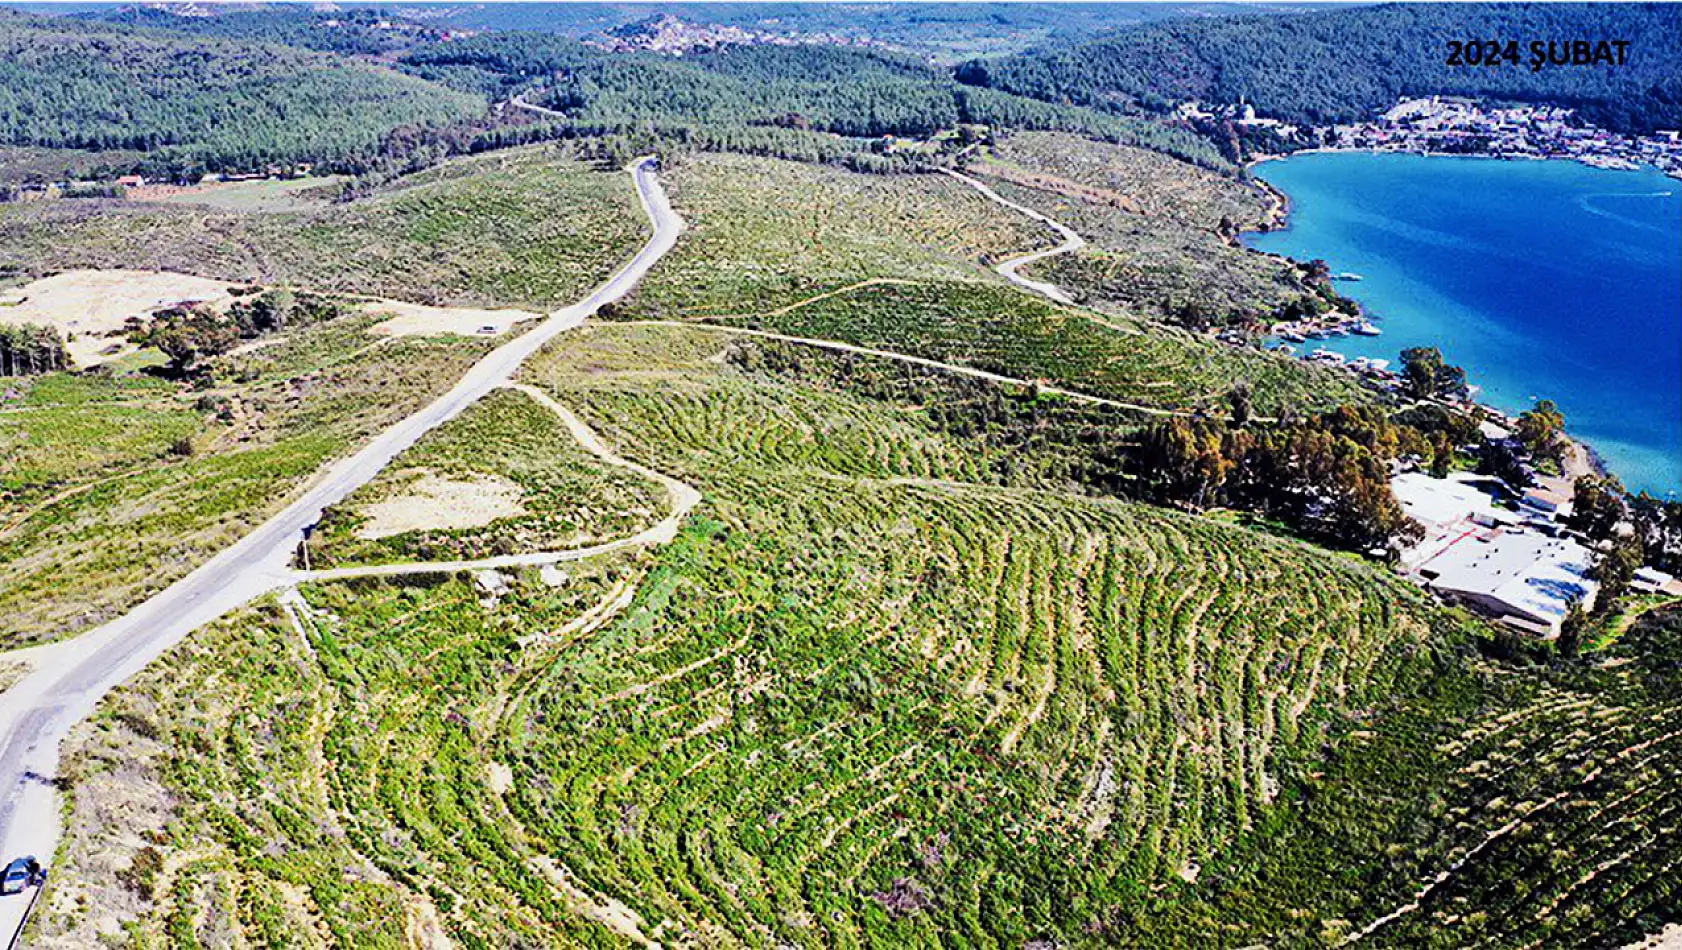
1543	279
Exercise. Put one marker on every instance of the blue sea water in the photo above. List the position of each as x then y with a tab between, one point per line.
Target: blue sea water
1544	279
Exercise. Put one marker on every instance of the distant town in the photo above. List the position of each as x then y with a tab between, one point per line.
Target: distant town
1460	126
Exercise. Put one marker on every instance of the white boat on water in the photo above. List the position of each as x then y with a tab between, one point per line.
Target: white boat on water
1366	328
1323	355
1348	275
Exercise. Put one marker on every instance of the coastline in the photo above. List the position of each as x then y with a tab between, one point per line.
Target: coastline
1422	153
1580	457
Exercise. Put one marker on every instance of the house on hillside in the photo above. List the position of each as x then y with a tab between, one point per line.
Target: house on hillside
1521	578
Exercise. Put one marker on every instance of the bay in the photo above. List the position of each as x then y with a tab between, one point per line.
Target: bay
1544	279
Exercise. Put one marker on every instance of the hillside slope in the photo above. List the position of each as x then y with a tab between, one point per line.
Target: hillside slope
1342	64
210	102
884	690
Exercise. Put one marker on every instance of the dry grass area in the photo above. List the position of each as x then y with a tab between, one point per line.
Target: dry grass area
89	307
295	194
114	487
531	227
504	477
1142	182
112	860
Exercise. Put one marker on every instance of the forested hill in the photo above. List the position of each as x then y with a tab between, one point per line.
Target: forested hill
748	93
1340	65
215	102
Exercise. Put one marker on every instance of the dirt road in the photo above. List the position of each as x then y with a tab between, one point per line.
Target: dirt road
1009	269
69	678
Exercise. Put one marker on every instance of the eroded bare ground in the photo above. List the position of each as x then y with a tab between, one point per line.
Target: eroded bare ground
89	307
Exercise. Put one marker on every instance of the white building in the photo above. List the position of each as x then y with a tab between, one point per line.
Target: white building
1448	509
1527	579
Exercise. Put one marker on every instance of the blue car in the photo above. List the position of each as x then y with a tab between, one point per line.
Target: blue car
20	874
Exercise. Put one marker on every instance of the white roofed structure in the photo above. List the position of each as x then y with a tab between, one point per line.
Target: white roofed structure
1511	574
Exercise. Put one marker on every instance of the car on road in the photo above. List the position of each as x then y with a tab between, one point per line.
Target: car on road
20	874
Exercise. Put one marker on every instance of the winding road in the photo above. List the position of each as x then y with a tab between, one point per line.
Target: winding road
1009	269
69	678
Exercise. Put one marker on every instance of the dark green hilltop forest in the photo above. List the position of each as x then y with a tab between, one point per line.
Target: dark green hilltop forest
224	104
357	90
1339	65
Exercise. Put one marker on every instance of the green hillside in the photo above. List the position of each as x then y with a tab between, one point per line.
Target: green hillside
872	694
762	98
207	102
880	692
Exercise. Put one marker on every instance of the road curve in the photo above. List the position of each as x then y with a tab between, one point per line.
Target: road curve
70	678
1071	242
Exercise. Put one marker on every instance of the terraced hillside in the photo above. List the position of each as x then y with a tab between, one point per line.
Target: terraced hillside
1000	329
861	699
901	264
766	234
1158	228
526	227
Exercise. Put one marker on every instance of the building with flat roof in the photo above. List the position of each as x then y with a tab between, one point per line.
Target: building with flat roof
1527	579
1448	509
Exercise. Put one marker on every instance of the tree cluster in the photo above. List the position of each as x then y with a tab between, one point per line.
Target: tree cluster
733	91
1327	476
193	333
1428	376
28	349
198	104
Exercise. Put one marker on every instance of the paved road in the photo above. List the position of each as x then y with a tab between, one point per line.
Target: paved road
1071	242
70	678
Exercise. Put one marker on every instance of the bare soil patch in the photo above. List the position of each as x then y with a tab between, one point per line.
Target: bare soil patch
89	307
433	502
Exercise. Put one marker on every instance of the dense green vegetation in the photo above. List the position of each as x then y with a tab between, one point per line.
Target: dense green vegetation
1001	330
862	699
1340	65
357	32
529	227
748	98
883	691
200	103
949	32
29	349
